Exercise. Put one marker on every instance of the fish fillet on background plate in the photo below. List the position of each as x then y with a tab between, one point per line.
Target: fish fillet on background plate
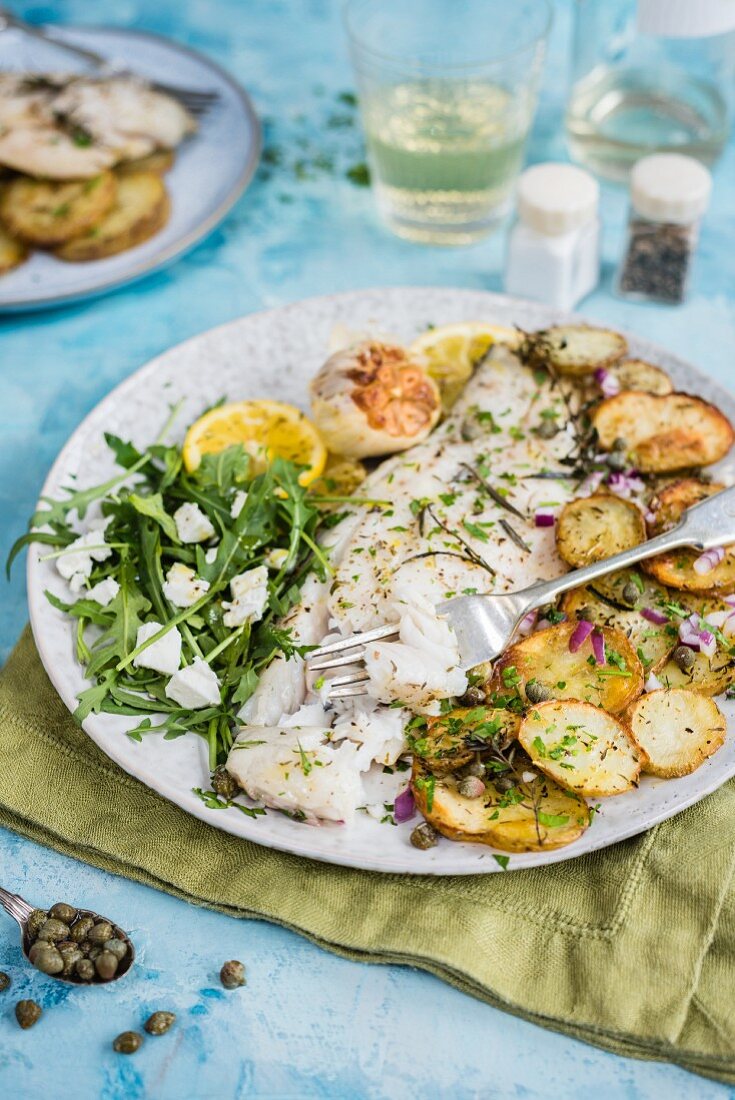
440	535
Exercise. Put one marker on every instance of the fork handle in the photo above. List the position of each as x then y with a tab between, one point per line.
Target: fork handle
9	19
703	526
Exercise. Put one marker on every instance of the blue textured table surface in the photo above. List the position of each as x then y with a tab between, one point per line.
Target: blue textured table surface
307	1024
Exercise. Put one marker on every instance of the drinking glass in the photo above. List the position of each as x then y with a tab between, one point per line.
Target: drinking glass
447	94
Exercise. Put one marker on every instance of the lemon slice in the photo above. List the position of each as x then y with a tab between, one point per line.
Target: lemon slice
265	429
451	352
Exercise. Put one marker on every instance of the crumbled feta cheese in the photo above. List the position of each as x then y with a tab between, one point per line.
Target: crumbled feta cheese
182	586
164	655
192	525
104	592
195	686
211	555
238	503
276	559
79	555
78	583
249	597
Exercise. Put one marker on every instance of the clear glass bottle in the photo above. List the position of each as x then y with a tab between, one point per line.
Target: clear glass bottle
668	196
650	76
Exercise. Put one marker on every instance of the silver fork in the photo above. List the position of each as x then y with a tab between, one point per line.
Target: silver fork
196	102
485	624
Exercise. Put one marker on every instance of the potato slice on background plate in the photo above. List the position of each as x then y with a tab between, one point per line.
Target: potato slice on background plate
140	209
598	526
668	432
707	676
667	506
12	252
546	657
677	729
637	374
160	162
534	816
652	642
582	747
49	212
573	349
452	740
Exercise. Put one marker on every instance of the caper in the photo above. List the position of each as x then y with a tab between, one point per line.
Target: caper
35	921
81	929
587	613
547	429
471	787
27	1013
504	783
62	911
159	1023
4	981
473	697
536	692
85	947
471	429
100	932
224	784
232	974
106	965
620	444
127	1042
52	930
85	970
630	592
46	958
684	657
118	948
616	460
476	768
423	836
70	954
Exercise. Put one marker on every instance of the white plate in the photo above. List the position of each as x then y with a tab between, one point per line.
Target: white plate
212	168
277	353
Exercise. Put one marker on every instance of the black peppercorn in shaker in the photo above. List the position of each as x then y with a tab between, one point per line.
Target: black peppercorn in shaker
668	196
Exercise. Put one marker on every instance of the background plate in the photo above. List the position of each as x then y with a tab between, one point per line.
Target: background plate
277	353
212	168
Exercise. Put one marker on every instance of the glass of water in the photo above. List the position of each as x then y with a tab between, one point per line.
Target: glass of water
447	93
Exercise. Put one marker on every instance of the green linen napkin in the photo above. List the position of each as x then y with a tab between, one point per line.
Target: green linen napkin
631	949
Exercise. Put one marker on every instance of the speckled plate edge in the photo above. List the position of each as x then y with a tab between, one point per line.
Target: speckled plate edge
366	845
187	241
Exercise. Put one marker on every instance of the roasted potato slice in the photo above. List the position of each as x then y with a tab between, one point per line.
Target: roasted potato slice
668	505
677	730
582	747
637	374
707	676
598	526
48	212
12	252
664	433
652	642
452	740
533	816
160	162
573	349
546	658
141	208
676	569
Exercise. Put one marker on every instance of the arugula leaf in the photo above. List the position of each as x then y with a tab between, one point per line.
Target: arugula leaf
153	506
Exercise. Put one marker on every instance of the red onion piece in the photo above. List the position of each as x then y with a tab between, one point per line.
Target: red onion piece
404	807
527	623
580	634
607	382
707	561
598	647
544	518
652	683
654	616
591	483
693	633
625	483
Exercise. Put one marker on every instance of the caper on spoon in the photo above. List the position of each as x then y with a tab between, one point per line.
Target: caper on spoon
71	944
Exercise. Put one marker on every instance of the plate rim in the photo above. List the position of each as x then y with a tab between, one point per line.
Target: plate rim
205	227
37	604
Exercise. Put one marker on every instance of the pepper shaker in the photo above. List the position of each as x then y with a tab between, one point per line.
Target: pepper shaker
669	194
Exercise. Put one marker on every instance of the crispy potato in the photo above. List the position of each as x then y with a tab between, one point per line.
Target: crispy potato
12	252
637	374
668	505
545	657
677	730
598	526
453	739
676	569
140	210
573	349
534	816
48	212
160	162
582	747
652	642
664	433
707	676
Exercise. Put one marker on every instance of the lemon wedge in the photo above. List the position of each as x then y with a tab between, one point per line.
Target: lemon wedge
265	429
451	352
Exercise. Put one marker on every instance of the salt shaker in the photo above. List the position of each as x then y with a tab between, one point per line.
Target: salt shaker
554	247
669	194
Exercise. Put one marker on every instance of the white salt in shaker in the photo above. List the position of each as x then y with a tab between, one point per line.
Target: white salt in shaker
554	246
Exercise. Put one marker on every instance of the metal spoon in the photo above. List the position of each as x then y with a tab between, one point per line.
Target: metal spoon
19	909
